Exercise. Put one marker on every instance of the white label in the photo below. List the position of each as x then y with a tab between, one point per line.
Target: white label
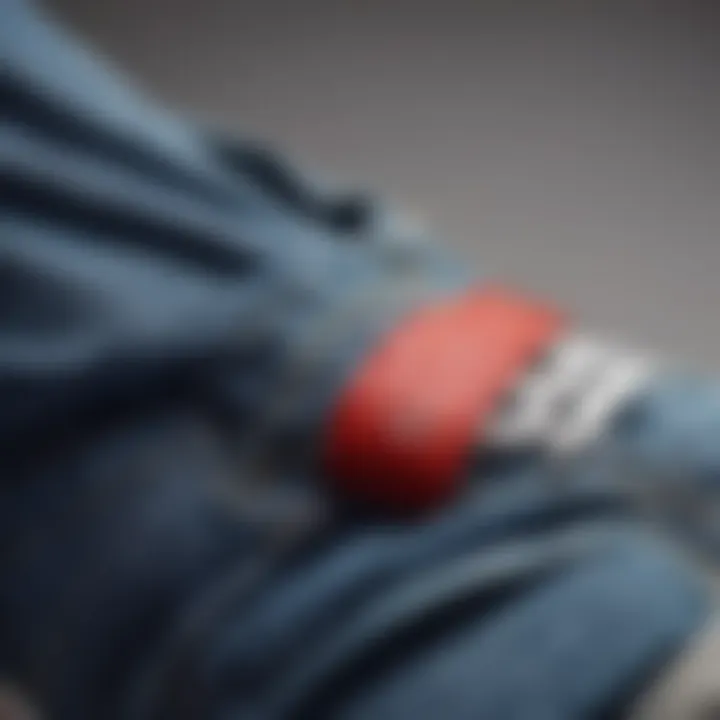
567	401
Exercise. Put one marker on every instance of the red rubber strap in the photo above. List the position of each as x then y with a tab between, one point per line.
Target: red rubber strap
407	422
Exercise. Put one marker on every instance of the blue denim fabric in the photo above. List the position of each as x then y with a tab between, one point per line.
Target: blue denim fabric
140	237
176	304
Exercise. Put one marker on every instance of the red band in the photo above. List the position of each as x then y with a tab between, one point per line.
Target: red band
406	423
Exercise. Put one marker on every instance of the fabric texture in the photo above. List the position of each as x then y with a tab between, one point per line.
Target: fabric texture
179	310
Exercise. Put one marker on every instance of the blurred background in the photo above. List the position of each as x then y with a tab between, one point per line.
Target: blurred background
572	146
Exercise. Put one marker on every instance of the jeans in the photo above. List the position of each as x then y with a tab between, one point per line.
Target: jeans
180	311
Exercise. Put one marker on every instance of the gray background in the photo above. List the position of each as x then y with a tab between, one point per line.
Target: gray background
570	146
